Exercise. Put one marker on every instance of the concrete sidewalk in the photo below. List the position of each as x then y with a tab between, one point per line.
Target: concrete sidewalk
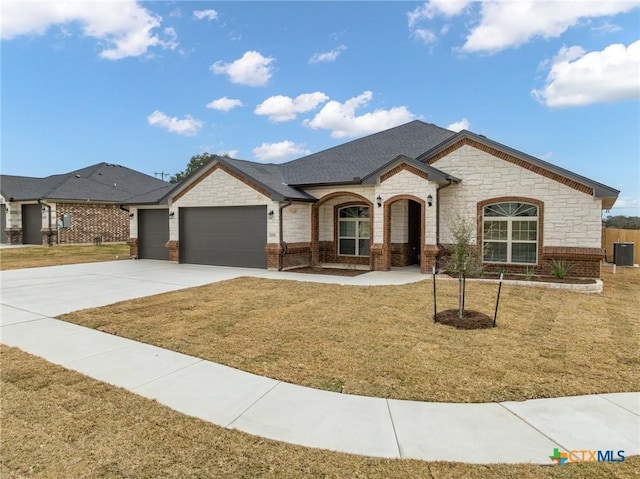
509	432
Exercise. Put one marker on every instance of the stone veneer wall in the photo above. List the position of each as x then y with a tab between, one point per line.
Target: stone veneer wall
570	218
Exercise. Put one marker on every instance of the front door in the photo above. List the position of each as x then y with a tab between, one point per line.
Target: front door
415	211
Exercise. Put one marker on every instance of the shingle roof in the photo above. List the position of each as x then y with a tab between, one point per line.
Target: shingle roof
599	190
361	157
270	176
103	182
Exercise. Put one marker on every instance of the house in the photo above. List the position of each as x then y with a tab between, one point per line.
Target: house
82	206
388	199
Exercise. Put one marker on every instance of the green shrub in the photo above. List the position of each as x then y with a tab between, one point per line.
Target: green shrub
560	268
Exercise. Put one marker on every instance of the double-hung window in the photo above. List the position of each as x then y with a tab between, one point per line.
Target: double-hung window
510	233
353	231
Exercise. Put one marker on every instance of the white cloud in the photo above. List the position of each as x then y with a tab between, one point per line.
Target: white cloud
189	126
627	202
507	24
429	10
327	57
124	28
425	35
224	104
341	118
281	108
279	151
210	14
577	78
229	153
251	69
459	125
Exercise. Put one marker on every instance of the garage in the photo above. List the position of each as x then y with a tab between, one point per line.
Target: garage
3	224
224	236
31	224
153	234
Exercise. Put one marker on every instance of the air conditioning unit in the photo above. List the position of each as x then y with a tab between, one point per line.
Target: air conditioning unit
623	254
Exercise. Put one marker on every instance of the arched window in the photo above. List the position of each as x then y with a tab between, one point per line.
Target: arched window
353	231
510	233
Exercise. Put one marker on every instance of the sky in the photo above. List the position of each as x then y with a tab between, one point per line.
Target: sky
148	85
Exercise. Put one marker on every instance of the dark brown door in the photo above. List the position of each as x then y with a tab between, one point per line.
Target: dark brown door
31	224
224	236
153	234
415	212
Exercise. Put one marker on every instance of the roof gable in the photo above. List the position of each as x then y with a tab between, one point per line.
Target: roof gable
404	163
357	159
531	163
264	178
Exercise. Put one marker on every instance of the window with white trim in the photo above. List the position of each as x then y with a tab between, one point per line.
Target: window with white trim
510	233
353	231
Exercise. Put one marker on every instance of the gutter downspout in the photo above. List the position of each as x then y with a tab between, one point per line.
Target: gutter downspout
49	210
440	246
283	245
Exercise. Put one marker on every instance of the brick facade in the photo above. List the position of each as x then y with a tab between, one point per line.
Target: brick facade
91	221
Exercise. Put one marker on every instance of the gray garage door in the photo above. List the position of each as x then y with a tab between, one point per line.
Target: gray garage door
3	224
31	224
225	236
153	234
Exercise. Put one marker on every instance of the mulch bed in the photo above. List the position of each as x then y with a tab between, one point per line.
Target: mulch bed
518	277
471	319
331	271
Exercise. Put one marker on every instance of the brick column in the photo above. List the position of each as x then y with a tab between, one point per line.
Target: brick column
133	247
174	250
14	235
273	255
428	257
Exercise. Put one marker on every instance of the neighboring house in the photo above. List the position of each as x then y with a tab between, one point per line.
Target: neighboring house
388	199
82	206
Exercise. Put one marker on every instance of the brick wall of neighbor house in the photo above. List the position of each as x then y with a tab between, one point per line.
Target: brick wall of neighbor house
222	189
89	221
13	229
572	219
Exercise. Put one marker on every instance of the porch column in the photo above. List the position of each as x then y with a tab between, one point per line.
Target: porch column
315	235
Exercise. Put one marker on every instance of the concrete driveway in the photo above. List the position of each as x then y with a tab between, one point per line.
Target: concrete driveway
509	432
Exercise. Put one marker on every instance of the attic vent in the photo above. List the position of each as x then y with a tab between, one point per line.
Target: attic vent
77	176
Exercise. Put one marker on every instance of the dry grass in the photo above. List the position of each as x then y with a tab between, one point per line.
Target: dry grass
36	256
60	424
381	341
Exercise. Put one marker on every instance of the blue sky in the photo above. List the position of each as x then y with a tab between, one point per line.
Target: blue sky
150	84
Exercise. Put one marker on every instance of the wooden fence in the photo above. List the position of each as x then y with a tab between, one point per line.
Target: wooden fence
615	235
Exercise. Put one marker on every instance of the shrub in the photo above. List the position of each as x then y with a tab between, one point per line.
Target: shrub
560	268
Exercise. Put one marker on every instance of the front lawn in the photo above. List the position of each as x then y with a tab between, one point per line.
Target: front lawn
36	256
58	423
381	341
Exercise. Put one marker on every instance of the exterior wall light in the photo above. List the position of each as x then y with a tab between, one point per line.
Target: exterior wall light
379	201
270	213
430	200
172	214
131	215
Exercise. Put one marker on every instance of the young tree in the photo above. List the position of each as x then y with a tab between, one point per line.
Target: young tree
195	163
464	258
